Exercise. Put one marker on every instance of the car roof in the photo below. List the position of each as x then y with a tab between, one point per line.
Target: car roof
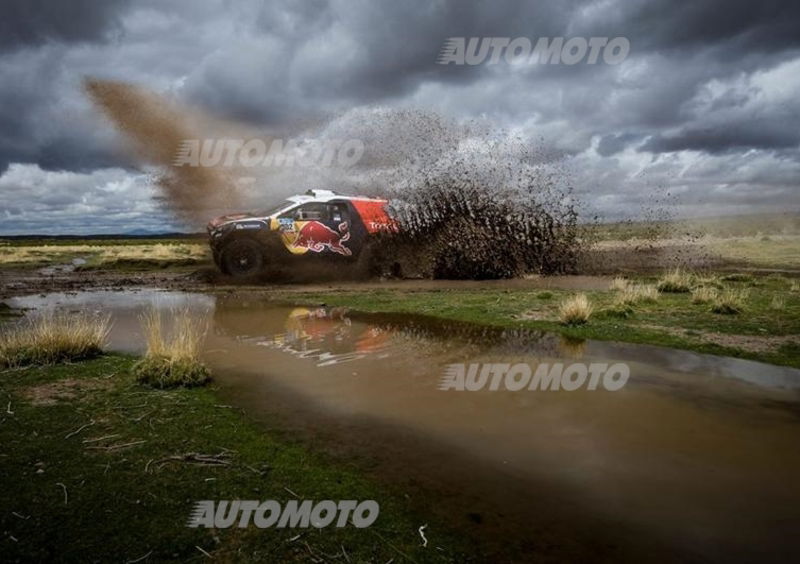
326	196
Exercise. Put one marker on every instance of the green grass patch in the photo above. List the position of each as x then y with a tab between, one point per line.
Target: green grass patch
737	277
618	311
106	470
162	372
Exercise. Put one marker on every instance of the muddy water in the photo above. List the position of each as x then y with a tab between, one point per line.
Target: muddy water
696	458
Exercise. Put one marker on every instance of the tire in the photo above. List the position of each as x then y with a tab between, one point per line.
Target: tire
242	258
217	255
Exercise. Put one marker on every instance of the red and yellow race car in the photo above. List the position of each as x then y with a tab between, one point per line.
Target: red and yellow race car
319	223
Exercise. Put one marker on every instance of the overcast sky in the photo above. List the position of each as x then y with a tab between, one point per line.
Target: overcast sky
703	116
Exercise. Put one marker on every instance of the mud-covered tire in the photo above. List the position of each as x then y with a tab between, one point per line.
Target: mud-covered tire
217	256
242	257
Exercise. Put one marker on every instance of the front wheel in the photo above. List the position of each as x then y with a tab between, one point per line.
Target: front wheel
242	258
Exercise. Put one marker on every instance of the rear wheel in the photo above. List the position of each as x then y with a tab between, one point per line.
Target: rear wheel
242	257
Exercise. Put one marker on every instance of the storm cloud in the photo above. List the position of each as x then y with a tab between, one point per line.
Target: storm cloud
706	107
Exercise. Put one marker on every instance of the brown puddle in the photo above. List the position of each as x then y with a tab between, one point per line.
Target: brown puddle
694	459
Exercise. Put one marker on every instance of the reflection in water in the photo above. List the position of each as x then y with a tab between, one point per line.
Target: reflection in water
572	348
318	334
696	452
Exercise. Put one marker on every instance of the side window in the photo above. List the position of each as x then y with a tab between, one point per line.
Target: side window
338	213
308	212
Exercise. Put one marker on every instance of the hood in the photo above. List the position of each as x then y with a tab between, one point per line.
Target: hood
217	221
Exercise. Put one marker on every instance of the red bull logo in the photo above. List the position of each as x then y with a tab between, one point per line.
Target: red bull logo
317	237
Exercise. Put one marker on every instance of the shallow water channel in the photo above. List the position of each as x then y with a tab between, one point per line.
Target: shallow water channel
695	458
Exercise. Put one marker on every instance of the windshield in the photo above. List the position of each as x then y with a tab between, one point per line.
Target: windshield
273	210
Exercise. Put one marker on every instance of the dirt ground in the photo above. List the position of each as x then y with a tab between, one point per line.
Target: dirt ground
16	282
604	260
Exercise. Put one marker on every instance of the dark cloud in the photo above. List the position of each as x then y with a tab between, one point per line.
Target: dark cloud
719	79
347	53
34	22
734	137
738	25
44	118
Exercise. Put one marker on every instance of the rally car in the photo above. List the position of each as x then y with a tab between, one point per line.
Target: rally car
320	223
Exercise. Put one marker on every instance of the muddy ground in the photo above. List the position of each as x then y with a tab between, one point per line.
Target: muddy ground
596	270
17	282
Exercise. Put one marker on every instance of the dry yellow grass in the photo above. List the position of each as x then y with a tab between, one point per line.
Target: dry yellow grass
637	293
102	253
185	339
51	337
778	303
775	250
173	361
703	294
575	310
675	281
153	333
619	283
729	301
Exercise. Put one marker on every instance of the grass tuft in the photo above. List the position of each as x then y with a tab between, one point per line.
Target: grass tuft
778	303
619	284
51	337
703	294
729	302
164	372
173	362
575	310
676	282
637	293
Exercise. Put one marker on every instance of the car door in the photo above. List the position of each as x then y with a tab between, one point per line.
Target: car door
317	227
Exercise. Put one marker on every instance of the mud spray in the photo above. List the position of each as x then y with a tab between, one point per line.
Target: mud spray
154	129
472	201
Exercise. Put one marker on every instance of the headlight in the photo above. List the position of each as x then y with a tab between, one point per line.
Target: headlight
221	230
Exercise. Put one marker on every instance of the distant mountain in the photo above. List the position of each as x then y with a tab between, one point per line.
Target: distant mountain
140	232
133	234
